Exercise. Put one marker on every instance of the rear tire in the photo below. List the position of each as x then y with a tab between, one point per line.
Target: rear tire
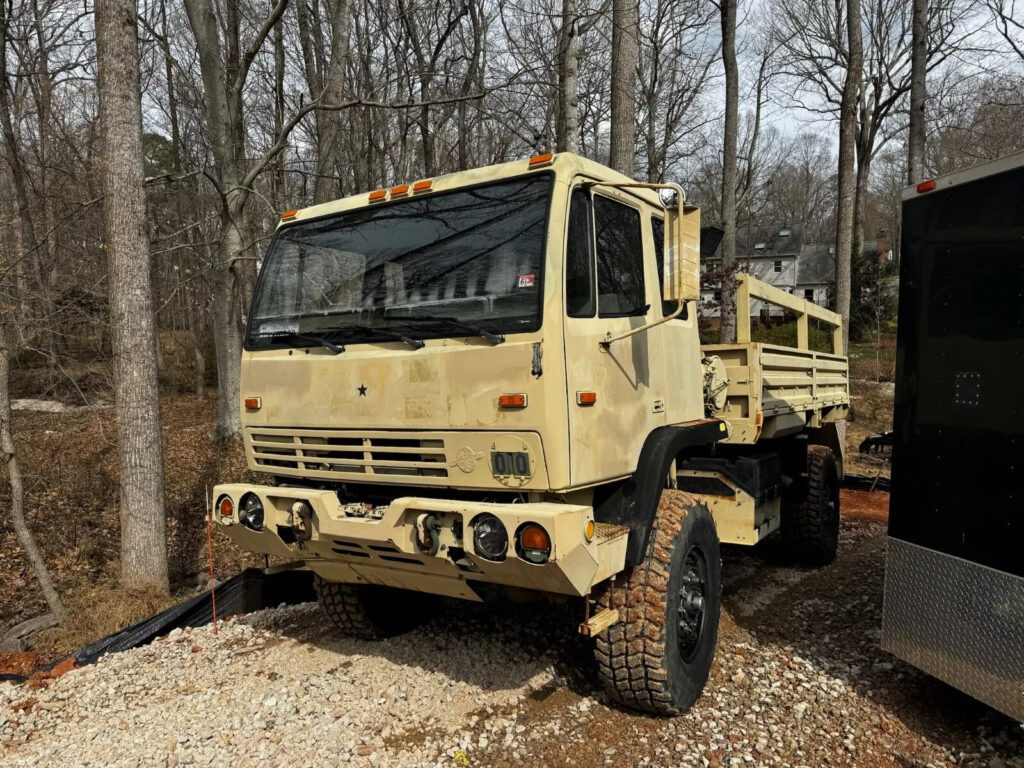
658	656
810	515
372	612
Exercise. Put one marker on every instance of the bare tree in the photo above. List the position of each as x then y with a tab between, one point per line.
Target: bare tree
225	70
729	150
678	51
10	459
140	440
847	156
625	52
1009	23
567	130
916	133
328	150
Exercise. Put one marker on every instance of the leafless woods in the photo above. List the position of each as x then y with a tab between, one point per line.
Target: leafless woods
249	108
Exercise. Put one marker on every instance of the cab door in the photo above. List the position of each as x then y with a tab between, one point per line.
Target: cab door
610	287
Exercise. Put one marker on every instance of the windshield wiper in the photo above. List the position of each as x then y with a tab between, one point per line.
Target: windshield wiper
320	341
476	330
385	332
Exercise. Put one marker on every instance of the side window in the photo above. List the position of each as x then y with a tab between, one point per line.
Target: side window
620	259
579	261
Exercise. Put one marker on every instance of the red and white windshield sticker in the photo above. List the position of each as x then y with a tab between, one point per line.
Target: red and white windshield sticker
526	281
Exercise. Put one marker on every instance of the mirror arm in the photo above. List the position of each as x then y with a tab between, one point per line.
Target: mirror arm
607	342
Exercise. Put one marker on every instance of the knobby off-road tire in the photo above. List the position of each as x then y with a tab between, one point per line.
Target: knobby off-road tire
810	515
658	656
372	612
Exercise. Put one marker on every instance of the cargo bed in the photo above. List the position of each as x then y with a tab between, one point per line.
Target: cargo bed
774	390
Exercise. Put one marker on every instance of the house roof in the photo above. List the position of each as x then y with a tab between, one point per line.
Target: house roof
817	264
776	240
755	242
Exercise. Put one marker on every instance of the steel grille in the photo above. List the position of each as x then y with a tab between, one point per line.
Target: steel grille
347	454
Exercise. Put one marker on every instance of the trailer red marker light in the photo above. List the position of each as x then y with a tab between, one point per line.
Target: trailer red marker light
586	398
512	401
926	186
254	402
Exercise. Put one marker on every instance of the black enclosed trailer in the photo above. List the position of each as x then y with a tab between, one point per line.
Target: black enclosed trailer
954	581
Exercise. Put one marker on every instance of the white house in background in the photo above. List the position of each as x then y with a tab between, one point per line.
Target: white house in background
771	254
778	256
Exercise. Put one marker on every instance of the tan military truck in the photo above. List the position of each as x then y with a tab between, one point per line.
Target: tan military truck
493	380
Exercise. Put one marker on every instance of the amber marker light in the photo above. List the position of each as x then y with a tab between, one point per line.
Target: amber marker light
401	189
289	215
586	398
588	530
225	507
533	544
422	186
512	401
377	195
540	160
926	186
254	402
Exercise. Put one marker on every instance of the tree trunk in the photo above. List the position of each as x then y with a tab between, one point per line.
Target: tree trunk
326	186
625	53
859	206
567	129
10	458
195	337
918	93
140	440
227	333
471	80
847	172
727	312
279	186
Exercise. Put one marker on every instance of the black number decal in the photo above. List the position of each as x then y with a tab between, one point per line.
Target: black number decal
515	463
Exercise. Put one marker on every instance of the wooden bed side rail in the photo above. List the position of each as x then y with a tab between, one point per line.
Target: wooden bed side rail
748	288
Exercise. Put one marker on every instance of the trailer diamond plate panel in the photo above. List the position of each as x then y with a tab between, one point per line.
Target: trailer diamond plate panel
957	620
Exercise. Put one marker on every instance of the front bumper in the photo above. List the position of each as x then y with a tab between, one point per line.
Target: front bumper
385	549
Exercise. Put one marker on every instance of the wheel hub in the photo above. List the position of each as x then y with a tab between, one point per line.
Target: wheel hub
691	603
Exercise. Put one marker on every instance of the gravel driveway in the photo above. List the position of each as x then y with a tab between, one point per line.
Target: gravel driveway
799	680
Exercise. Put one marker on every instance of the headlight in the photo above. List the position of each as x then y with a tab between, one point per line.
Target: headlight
533	543
490	539
250	512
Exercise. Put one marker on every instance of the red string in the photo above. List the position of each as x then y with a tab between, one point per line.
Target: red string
209	544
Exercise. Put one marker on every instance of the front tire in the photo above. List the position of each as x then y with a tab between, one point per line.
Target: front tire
372	612
810	516
658	656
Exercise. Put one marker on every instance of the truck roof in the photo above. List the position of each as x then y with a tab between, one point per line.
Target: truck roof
566	163
973	173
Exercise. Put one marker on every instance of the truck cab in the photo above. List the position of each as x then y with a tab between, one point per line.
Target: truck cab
493	379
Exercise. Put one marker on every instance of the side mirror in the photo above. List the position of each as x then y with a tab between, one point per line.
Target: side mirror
681	248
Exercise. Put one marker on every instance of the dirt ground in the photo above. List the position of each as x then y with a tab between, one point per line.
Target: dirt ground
69	464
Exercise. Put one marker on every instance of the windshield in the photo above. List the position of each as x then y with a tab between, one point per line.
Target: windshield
466	262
